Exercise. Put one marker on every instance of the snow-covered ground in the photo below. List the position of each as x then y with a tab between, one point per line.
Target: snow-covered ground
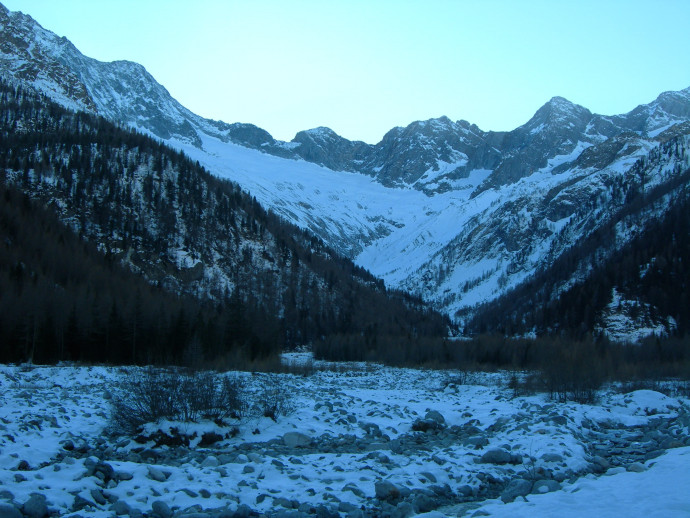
363	440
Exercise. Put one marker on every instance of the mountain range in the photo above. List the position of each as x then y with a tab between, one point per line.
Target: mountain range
441	209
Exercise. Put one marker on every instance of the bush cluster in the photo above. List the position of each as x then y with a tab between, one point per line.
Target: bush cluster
152	394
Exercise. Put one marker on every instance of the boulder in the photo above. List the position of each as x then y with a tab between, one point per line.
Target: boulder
545	486
387	491
636	467
478	441
161	509
552	457
156	474
210	462
120	508
517	487
35	506
9	511
436	416
296	440
496	456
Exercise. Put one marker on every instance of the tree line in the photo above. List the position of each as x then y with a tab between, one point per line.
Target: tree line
223	276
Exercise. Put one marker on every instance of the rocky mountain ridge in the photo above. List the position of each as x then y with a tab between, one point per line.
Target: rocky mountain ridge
443	209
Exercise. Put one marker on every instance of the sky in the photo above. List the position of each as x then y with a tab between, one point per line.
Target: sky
364	67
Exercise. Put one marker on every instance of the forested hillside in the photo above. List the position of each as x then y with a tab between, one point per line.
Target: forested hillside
234	277
642	286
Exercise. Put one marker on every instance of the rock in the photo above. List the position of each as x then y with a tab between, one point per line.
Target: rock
478	441
371	429
161	509
210	462
429	476
354	489
9	511
35	506
545	486
79	503
615	471
465	491
121	476
23	466
601	462
427	425
436	416
387	491
552	457
559	420
98	497
517	487
636	467
120	508
496	456
243	511
424	503
670	443
404	510
156	474
296	440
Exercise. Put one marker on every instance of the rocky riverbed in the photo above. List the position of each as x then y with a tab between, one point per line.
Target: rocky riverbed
363	440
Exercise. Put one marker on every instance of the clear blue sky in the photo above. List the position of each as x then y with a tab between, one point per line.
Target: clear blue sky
363	67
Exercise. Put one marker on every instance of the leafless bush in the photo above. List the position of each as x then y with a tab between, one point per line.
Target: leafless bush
146	396
275	399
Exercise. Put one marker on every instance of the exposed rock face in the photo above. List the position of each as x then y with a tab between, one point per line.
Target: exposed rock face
489	208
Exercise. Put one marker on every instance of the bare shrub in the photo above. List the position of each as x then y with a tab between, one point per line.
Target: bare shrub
146	396
275	399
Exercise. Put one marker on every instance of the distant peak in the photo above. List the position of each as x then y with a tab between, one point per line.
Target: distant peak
321	131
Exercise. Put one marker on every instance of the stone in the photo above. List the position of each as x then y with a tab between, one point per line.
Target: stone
478	441
404	510
386	490
496	456
123	476
465	491
35	506
243	511
371	429
161	509
79	503
636	467
552	457
98	497
424	503
429	476
210	462
9	511
436	416
120	508
545	486
156	474
296	440
516	487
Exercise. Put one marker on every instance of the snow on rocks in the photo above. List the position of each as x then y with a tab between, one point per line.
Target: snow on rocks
364	440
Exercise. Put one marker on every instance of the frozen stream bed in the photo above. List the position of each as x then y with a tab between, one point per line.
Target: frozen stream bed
363	440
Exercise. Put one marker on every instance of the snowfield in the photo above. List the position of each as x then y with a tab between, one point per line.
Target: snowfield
363	440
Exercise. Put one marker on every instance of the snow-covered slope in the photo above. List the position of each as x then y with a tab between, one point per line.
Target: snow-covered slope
440	208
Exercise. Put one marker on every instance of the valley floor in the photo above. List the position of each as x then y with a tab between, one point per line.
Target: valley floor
364	440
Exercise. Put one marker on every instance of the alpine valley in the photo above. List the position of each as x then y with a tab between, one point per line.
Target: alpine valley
493	229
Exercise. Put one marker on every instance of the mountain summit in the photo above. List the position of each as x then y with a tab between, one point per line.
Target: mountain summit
440	208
